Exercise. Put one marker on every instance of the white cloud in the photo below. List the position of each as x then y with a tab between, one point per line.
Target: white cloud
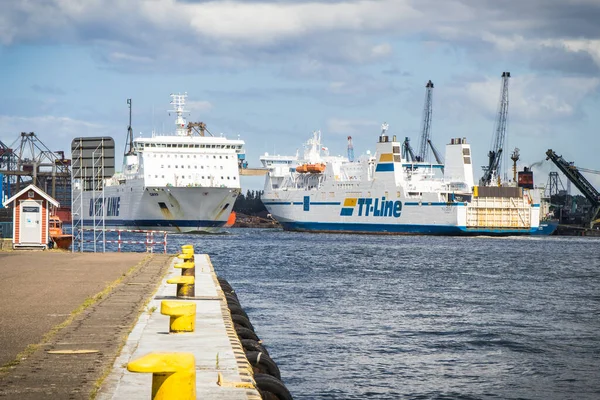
351	126
140	31
199	105
55	132
120	57
268	22
531	97
381	50
592	47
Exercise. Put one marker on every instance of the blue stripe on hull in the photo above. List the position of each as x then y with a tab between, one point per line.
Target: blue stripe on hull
546	228
400	229
371	228
158	223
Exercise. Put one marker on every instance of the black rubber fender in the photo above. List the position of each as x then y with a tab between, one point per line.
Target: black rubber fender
253	345
263	363
234	309
245	333
242	321
267	384
226	287
231	299
223	281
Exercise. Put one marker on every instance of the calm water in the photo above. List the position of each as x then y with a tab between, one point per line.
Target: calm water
355	317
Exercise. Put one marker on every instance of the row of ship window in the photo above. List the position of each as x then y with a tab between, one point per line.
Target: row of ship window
188	156
189	166
188	146
202	177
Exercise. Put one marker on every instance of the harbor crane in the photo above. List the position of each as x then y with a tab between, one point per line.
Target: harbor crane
574	175
492	170
408	152
426	127
436	154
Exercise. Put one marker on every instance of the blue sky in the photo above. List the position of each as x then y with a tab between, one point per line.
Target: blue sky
274	71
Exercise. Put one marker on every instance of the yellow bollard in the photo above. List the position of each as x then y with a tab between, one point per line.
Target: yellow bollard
185	286
173	374
186	256
187	249
182	313
188	268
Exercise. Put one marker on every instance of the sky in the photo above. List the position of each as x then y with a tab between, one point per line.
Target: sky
271	72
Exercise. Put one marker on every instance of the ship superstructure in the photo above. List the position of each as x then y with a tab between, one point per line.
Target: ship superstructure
181	182
384	193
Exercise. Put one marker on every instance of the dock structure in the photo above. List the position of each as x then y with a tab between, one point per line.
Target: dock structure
81	323
217	351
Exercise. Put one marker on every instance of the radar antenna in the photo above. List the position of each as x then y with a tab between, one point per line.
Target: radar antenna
178	103
384	128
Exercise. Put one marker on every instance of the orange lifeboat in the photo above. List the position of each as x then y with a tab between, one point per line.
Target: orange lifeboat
302	168
61	240
316	168
312	168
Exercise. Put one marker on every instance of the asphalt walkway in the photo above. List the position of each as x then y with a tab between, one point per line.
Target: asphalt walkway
63	355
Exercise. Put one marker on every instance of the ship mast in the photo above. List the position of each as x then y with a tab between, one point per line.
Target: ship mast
129	141
178	103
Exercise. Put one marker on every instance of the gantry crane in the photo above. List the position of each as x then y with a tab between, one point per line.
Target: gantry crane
426	127
585	187
492	170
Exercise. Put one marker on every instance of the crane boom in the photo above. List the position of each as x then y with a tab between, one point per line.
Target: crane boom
591	171
492	170
407	151
436	154
584	186
426	128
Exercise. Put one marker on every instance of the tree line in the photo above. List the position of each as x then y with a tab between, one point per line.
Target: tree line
250	204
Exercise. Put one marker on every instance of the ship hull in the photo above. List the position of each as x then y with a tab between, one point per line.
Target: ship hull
409	229
171	209
339	215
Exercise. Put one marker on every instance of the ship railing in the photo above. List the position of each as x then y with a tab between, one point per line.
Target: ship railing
152	239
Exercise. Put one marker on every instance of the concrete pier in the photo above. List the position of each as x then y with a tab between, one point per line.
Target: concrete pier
214	344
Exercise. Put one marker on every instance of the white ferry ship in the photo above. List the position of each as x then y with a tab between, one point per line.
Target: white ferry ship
385	194
186	182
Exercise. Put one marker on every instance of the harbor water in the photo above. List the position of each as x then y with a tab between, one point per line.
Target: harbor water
418	317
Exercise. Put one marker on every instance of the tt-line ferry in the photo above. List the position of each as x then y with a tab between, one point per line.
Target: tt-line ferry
386	194
182	182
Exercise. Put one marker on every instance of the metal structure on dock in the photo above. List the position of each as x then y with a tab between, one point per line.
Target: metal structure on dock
93	162
574	175
554	185
29	161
